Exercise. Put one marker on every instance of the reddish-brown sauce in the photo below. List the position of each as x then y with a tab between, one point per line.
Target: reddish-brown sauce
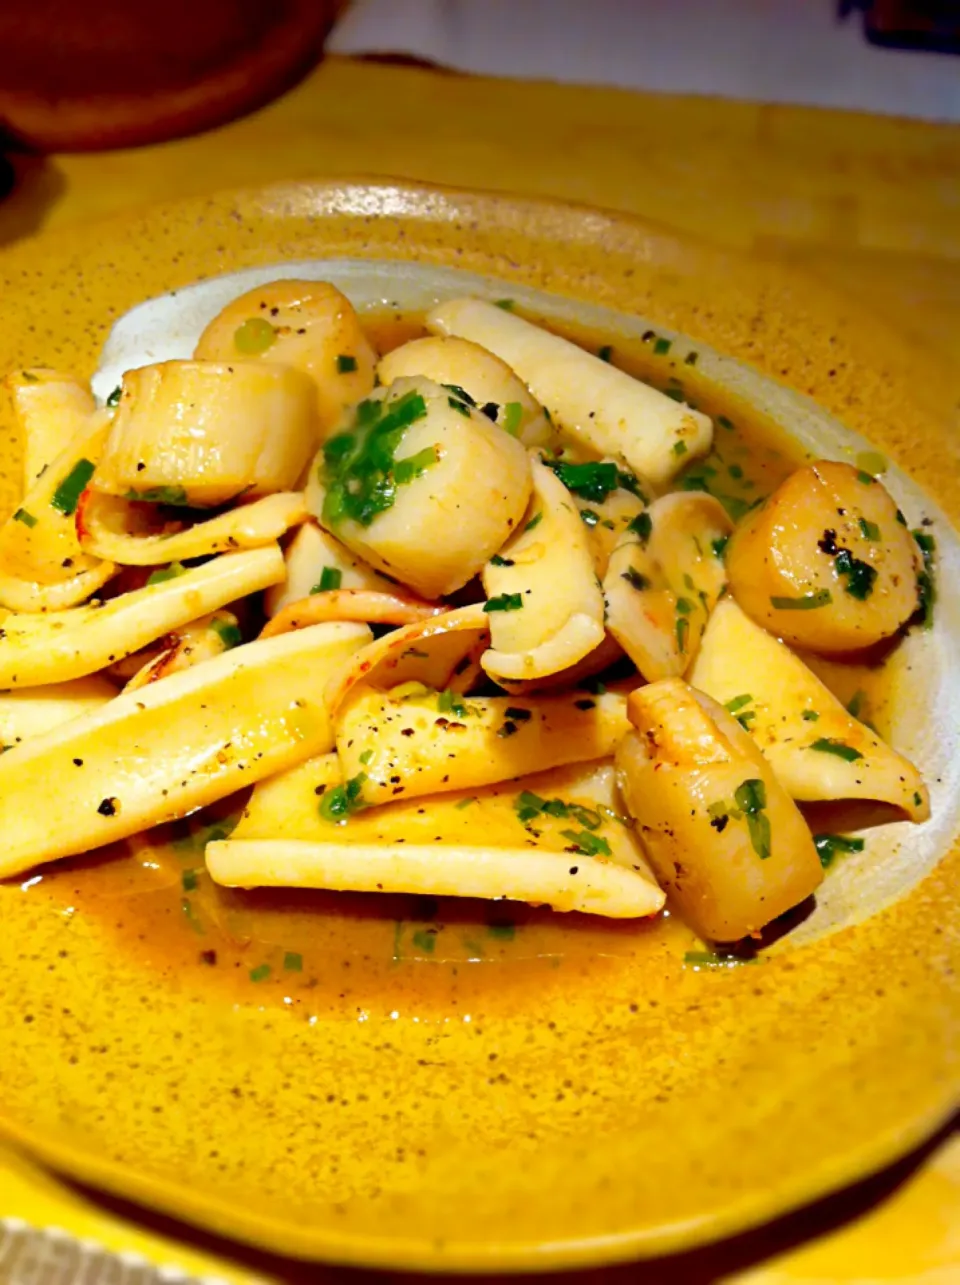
318	953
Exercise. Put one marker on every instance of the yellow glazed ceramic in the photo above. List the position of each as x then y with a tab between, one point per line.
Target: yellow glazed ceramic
583	1099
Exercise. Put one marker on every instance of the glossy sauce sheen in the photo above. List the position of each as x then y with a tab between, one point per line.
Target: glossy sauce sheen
349	954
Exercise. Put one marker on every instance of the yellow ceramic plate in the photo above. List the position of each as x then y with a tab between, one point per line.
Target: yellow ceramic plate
601	1102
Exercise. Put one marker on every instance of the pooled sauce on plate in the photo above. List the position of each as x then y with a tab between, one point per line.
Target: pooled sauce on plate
319	953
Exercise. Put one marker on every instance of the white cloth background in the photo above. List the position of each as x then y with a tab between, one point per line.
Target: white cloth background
781	51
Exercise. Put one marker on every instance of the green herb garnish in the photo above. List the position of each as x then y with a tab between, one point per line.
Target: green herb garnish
360	470
680	448
293	961
162	574
634	579
719	546
504	602
829	745
751	798
606	352
114	398
738	703
856	703
228	630
682	630
641	526
869	530
507	305
806	601
829	847
330	578
661	347
254	336
512	417
926	579
534	521
505	932
592	481
590	845
589	517
175	496
188	880
67	495
860	576
338	804
810	715
425	941
346	364
27	518
260	973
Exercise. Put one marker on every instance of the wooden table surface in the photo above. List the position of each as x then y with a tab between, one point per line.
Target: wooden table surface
869	204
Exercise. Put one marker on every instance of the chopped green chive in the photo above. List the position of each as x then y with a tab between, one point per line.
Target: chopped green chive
684	606
751	798
860	576
590	845
661	347
634	579
173	495
497	561
346	364
591	481
810	715
188	880
711	959
254	336
512	417
829	847
366	756
869	530
293	961
507	305
738	702
641	526
465	803
22	515
340	803
856	703
330	578
414	466
682	630
534	521
606	352
828	745
726	423
504	602
806	601
114	398
866	478
228	630
719	546
451	703
162	574
425	941
926	579
260	973
680	448
589	517
461	407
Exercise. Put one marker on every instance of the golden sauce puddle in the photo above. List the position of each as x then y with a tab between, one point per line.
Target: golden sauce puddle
359	955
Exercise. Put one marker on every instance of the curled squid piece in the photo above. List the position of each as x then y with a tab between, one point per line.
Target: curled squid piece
201	640
543	599
552	839
664	579
308	325
602	408
50	409
162	751
202	434
827	563
138	534
440	652
420	485
315	561
42	565
818	750
61	645
411	741
373	607
37	709
488	382
725	839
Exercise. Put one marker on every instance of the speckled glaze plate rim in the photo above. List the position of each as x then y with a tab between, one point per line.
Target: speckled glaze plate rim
618	261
